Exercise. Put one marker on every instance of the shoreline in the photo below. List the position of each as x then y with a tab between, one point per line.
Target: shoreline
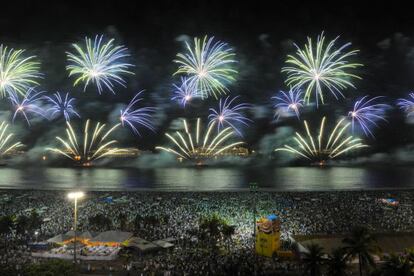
224	190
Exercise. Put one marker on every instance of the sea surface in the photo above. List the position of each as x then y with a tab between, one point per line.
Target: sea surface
208	178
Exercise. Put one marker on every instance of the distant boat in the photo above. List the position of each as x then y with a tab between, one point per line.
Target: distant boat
83	165
321	163
200	164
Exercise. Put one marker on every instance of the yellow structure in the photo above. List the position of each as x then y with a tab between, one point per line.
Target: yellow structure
267	235
235	151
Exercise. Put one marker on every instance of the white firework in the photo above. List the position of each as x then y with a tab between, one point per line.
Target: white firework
99	63
318	68
208	65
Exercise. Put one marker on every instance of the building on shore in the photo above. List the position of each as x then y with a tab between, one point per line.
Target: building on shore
201	155
85	161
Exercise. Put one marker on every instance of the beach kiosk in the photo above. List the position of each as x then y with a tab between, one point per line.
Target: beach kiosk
267	235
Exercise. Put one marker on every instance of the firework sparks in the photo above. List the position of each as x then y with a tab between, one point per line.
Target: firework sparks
208	66
61	105
367	113
407	105
319	67
334	146
286	103
6	143
29	104
228	114
89	147
100	63
197	146
17	73
134	117
185	92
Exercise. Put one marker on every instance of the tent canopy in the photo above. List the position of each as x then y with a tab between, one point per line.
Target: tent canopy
87	235
112	236
142	245
163	244
58	238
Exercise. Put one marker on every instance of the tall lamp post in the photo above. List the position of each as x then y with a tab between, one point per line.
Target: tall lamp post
75	196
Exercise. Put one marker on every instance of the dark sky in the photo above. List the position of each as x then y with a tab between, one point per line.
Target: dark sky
235	20
261	32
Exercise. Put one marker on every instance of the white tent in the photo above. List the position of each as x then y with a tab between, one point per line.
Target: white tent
112	236
58	238
142	245
163	244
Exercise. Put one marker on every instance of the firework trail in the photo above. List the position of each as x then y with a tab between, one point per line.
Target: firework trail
99	63
320	68
17	73
201	144
134	117
322	148
61	105
229	114
208	66
30	104
367	113
88	147
286	103
6	143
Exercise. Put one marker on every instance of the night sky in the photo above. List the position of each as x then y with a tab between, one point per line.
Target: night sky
262	34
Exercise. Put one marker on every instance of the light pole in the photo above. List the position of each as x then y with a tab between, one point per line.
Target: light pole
75	196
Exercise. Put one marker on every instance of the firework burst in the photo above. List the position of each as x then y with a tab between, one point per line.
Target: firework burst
287	103
208	66
229	114
30	104
88	147
17	73
367	113
61	105
185	92
407	105
6	143
134	117
320	67
99	63
323	148
200	146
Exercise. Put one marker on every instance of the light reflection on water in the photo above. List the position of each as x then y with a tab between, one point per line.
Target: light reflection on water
290	178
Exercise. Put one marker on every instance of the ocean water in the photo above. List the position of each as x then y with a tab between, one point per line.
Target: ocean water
208	178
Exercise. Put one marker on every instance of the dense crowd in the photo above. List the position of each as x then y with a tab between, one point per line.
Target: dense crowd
177	215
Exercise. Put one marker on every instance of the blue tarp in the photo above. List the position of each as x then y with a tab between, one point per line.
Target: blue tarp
107	199
272	217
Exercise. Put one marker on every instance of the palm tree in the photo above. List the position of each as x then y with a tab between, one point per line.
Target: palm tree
397	265
100	222
211	230
337	262
228	231
409	253
21	224
6	228
35	222
313	259
137	223
211	225
123	220
363	245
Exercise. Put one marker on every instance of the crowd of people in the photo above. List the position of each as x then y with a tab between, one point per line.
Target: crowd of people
177	215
